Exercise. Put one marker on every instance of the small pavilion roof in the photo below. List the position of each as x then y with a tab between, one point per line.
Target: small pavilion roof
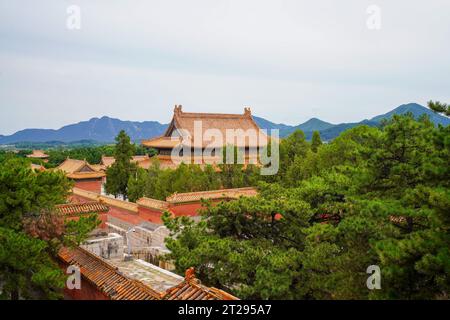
79	169
37	167
38	154
141	161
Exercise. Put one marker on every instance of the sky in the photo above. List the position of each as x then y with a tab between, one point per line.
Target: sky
289	60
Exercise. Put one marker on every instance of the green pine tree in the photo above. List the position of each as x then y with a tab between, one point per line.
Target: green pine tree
439	107
31	232
123	168
316	142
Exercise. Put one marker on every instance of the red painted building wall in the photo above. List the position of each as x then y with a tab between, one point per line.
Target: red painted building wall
93	185
87	292
151	215
146	214
186	209
189	209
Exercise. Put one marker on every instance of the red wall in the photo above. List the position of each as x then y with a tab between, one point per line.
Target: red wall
186	209
93	185
150	214
87	292
189	209
146	214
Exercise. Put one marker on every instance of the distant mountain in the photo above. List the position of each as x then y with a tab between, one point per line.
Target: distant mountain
309	126
330	131
417	110
105	129
314	124
266	124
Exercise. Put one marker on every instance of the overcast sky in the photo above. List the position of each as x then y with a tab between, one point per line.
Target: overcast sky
289	60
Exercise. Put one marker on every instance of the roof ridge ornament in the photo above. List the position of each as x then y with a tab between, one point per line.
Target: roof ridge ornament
190	274
178	109
247	111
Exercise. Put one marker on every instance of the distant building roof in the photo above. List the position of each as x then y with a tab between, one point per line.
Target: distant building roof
105	277
98	167
82	208
79	169
85	175
183	124
165	162
38	154
74	165
141	161
37	167
108	161
162	142
213	194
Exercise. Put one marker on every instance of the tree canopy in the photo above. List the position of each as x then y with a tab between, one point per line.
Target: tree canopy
31	230
123	168
373	196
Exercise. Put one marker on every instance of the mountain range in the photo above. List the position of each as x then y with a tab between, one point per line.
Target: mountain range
105	129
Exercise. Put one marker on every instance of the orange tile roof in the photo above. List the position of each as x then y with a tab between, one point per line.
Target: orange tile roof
105	277
38	154
153	204
141	161
162	142
73	165
145	164
165	162
37	167
85	175
184	121
108	161
81	208
213	194
192	289
130	206
140	158
98	167
117	286
79	169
